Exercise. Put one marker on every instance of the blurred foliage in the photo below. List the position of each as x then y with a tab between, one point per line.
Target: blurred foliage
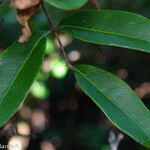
59	115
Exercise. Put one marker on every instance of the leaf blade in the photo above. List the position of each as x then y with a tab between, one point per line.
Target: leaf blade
117	101
18	69
108	27
67	4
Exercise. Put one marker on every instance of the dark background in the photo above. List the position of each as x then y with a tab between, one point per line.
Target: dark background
57	114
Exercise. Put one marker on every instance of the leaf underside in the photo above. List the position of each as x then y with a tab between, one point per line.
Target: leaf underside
109	27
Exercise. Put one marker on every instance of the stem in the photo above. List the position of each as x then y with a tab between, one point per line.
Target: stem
54	30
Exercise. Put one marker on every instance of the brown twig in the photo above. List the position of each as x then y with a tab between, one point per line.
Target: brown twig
54	30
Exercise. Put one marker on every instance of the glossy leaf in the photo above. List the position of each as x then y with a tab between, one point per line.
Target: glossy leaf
19	65
109	27
116	99
67	4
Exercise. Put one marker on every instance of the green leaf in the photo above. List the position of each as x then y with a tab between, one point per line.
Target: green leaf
116	99
108	27
67	4
19	65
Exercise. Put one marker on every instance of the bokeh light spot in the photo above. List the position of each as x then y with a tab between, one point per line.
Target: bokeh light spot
23	128
49	46
59	69
39	90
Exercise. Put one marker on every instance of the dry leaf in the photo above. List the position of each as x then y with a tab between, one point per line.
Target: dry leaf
25	10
